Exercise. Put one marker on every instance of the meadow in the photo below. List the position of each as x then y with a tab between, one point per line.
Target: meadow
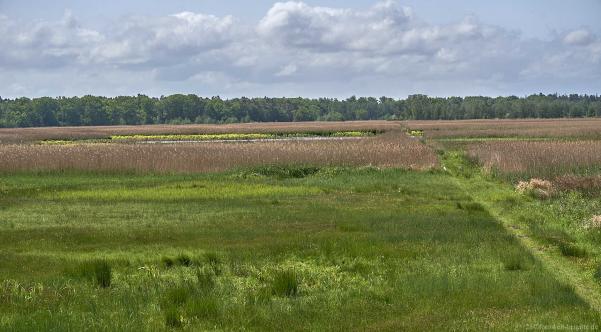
385	232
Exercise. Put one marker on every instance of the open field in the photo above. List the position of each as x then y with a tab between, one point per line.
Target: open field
337	250
535	128
20	135
366	233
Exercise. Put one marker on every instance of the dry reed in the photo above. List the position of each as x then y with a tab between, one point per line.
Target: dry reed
393	149
575	128
19	135
547	159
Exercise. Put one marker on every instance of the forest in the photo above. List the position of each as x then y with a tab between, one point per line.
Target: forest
185	109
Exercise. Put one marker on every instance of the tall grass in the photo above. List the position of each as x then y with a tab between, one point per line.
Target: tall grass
565	128
17	135
539	159
393	149
286	283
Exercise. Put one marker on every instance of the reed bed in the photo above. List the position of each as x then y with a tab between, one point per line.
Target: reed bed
393	149
546	159
565	128
19	135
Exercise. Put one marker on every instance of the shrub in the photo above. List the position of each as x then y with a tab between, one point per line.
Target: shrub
285	283
571	250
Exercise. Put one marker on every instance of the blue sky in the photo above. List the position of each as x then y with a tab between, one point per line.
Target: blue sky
311	48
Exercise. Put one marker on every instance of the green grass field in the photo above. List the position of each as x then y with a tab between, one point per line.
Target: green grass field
316	249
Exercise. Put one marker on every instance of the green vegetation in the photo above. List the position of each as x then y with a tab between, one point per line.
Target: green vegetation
267	249
187	109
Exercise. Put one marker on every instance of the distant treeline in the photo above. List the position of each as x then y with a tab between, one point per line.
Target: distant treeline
183	109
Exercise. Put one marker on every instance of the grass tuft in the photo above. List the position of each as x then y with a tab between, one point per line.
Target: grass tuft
173	318
103	273
598	273
204	307
206	280
516	261
99	271
213	261
285	283
178	295
167	262
572	250
184	260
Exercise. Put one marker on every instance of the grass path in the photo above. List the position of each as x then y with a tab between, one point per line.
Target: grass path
491	196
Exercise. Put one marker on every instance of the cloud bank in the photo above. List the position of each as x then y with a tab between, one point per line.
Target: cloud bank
295	49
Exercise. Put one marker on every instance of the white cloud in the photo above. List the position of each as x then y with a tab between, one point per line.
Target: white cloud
295	47
578	37
167	39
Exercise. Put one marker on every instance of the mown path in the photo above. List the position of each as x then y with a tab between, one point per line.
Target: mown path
491	195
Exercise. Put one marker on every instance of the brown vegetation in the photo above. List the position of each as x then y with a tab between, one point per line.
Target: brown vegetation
575	128
393	149
547	159
536	187
19	135
589	185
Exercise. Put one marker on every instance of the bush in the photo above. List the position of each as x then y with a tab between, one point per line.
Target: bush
285	283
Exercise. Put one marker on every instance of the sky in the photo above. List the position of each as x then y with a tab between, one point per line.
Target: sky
311	48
